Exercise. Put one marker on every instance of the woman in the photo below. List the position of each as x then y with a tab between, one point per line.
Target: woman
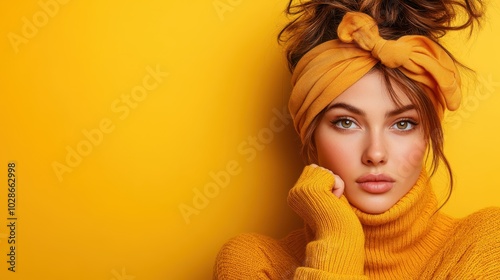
367	102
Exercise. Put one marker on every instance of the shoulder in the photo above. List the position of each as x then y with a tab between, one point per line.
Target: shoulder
482	231
483	223
254	256
479	235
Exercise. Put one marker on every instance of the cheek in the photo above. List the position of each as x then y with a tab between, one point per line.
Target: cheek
335	153
409	157
414	152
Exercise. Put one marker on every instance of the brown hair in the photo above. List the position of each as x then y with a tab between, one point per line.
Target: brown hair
316	21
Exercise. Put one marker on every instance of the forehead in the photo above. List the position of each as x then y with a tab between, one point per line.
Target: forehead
371	91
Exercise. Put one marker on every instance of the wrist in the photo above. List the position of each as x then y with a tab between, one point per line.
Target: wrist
342	256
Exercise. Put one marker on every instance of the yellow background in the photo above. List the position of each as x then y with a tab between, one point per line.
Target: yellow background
116	215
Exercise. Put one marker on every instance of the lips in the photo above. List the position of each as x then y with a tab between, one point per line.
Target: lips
375	183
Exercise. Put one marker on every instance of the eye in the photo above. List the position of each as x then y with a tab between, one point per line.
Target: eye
404	125
344	123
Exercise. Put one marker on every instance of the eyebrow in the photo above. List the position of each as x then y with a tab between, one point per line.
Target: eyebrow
360	112
347	107
400	110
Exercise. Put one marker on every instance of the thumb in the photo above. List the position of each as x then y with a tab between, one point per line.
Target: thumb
338	187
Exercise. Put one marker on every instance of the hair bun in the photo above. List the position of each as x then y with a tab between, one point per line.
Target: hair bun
316	21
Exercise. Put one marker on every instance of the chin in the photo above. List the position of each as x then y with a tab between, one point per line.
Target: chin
373	207
373	211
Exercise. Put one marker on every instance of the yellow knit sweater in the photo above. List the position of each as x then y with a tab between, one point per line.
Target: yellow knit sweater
409	241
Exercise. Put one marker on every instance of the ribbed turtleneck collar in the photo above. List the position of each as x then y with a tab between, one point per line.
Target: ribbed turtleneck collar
401	239
413	211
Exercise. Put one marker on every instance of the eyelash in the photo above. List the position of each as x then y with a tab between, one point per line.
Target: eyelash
411	122
336	124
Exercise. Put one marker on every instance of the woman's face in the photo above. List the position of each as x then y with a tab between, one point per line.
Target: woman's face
376	147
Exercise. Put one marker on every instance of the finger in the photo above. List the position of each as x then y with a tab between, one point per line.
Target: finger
338	188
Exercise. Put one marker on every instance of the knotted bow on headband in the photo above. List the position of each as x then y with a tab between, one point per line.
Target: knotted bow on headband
330	68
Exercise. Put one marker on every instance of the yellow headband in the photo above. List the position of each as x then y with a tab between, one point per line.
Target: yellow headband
330	68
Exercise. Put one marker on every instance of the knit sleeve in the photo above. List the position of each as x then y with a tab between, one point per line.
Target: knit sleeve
253	256
336	250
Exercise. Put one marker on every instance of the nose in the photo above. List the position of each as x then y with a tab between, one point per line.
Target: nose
375	152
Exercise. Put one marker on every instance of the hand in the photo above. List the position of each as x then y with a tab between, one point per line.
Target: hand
338	186
317	198
338	243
